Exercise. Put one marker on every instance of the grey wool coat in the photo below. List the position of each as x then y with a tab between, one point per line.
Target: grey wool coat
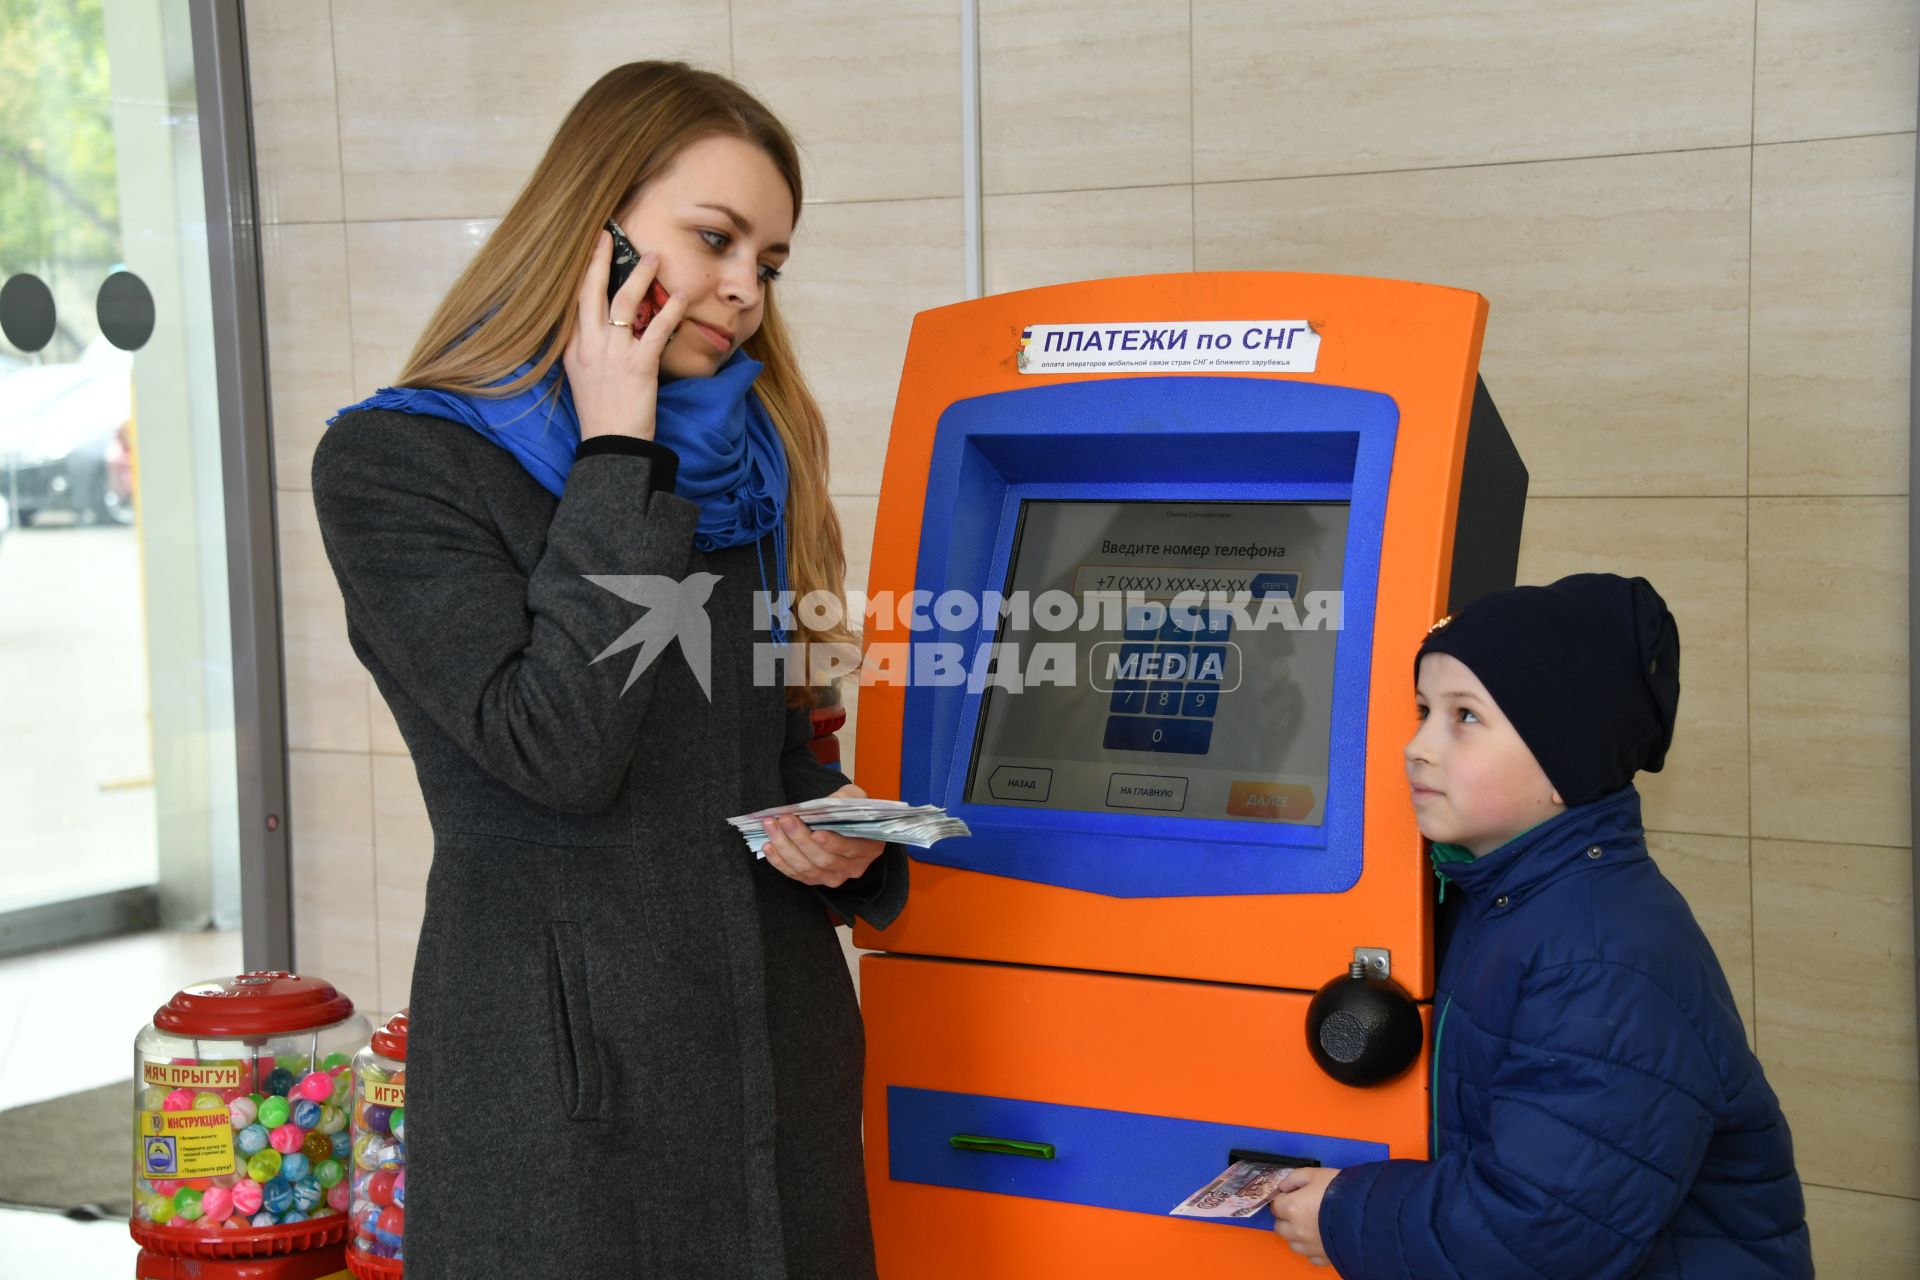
635	1050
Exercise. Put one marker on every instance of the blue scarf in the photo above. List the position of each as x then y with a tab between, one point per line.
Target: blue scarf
732	463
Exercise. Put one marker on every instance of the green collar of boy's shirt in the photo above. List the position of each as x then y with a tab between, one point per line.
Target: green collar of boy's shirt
1443	854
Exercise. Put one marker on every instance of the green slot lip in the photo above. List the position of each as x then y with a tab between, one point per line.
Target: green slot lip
1001	1146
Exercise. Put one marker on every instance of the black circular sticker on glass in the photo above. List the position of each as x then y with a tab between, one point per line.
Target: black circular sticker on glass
26	312
125	311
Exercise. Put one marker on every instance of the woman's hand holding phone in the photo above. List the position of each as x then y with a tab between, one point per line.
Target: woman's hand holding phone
625	259
612	362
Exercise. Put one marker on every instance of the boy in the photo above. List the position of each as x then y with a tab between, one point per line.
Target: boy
1597	1112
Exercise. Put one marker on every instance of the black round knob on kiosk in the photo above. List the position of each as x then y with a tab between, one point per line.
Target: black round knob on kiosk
1363	1030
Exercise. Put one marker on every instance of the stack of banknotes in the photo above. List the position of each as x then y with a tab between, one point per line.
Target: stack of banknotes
1242	1191
888	820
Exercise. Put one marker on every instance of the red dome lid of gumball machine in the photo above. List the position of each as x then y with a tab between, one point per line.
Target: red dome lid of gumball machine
235	1075
390	1041
267	1002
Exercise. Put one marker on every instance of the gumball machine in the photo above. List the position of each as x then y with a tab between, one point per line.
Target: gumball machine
378	1207
241	1138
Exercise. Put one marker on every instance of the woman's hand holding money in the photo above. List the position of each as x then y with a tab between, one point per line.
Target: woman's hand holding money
825	858
1296	1211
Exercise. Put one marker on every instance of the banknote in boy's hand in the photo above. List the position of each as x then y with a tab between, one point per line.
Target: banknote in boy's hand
1242	1191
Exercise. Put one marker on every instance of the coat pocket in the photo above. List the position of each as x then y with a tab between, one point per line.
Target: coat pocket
582	1090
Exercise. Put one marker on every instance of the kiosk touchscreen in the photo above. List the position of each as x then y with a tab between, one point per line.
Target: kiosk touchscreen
1163	550
1210	720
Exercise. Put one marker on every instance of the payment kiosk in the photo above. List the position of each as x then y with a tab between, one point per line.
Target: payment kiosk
1152	559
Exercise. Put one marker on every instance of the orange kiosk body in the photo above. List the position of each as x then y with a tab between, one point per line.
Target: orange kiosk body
1096	1000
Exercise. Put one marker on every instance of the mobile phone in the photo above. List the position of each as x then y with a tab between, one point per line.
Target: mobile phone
625	259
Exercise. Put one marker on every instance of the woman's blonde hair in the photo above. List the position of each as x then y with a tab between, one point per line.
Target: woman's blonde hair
516	300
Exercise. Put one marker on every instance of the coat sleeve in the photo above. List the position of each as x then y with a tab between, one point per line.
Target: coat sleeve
879	895
1599	1116
501	658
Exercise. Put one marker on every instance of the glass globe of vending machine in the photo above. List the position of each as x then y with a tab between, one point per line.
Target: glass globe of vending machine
241	1141
378	1207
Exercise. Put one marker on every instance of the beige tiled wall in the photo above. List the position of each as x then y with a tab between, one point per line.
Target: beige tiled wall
1692	220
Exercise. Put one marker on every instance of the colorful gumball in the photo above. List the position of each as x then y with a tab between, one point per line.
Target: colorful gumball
375	1118
332	1120
279	1080
246	1197
265	1219
398	1123
293	1215
338	1197
307	1194
153	1098
165	1186
317	1147
329	1173
162	1210
251	1140
186	1204
217	1204
263	1166
392	1224
400	1188
208	1100
276	1196
380	1188
287	1138
178	1100
294	1166
274	1112
364	1155
317	1087
335	1061
306	1113
342	1144
342	1089
242	1112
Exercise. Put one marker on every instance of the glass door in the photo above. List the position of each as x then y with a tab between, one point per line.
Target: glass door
118	805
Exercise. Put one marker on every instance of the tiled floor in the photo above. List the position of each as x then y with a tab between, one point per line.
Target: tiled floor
68	1017
46	1246
67	1022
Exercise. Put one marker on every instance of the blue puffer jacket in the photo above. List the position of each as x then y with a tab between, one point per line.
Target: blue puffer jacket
1597	1112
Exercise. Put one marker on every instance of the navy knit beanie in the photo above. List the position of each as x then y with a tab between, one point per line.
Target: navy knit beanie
1588	671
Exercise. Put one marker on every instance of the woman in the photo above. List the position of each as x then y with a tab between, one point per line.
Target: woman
635	1049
